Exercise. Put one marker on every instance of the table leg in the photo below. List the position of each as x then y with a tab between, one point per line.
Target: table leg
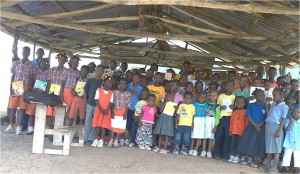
59	122
39	129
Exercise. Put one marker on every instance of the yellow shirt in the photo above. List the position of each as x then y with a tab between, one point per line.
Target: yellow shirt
186	114
226	100
158	91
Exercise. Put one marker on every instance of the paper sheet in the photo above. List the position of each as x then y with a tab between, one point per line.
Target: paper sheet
118	122
169	108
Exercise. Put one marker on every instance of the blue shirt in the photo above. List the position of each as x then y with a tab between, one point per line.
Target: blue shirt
36	64
277	112
134	98
200	109
292	140
245	93
257	111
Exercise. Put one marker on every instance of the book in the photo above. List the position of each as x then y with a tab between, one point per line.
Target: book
168	76
79	89
55	89
169	108
40	85
17	88
118	122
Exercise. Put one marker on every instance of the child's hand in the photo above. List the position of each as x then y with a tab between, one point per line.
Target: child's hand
223	107
231	106
278	133
230	133
125	117
176	126
112	116
214	130
251	98
140	123
257	128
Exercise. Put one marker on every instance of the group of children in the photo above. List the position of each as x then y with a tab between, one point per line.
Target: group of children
145	109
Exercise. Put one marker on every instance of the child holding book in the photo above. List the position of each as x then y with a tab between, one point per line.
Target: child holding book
199	125
78	107
122	101
137	113
238	122
184	124
165	125
144	132
103	111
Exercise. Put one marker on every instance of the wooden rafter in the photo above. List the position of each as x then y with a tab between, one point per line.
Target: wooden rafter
9	3
99	20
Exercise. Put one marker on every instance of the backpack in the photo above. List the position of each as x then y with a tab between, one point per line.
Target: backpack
42	97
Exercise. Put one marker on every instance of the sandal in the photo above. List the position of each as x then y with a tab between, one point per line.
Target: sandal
156	149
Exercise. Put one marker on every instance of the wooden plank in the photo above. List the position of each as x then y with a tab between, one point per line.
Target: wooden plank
248	8
67	143
9	3
53	151
99	20
59	122
39	129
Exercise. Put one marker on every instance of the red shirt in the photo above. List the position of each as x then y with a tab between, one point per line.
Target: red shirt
238	122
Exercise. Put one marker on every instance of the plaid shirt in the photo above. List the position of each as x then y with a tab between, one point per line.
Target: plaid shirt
22	71
122	99
42	75
72	76
57	75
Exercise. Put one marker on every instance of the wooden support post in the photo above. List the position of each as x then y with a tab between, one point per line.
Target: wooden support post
141	18
39	129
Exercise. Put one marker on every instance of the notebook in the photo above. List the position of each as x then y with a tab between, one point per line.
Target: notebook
17	88
41	85
55	89
79	89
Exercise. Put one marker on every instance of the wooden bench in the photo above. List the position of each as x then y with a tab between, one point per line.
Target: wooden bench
58	132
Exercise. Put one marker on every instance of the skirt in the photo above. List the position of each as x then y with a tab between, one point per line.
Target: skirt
144	135
252	142
273	144
199	128
165	125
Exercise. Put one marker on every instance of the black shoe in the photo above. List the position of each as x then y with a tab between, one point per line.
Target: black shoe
89	142
283	170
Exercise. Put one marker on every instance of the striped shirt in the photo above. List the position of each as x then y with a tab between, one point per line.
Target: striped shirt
122	99
42	75
72	76
22	71
57	75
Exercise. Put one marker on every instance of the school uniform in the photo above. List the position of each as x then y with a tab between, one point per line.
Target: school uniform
72	76
276	113
78	106
43	76
222	137
104	99
199	120
22	72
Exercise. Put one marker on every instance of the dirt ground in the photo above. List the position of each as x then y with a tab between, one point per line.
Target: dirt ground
16	157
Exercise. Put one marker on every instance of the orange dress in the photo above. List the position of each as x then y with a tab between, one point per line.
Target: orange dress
101	120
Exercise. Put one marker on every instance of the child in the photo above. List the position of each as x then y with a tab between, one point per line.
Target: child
157	89
135	90
294	87
42	75
182	82
22	71
199	85
90	89
78	106
137	114
289	102
292	143
296	98
144	81
199	125
243	90
129	76
274	128
226	101
287	87
211	122
174	89
272	72
189	87
167	85
103	111
184	124
165	125
238	122
122	101
144	133
252	142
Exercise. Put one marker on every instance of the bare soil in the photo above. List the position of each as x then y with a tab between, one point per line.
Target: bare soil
16	157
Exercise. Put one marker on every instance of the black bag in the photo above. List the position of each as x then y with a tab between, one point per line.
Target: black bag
42	97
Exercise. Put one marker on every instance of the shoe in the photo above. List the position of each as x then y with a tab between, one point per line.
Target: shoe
110	144
18	130
10	129
191	152
95	142
231	159
163	151
203	154
141	147
175	151
148	148
183	152
217	157
100	143
122	142
250	160
254	165
131	145
126	142
30	130
116	144
88	142
208	155
156	149
195	153
236	160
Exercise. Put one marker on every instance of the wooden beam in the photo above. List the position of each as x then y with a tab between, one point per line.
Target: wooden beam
141	18
9	3
132	33
248	8
99	20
